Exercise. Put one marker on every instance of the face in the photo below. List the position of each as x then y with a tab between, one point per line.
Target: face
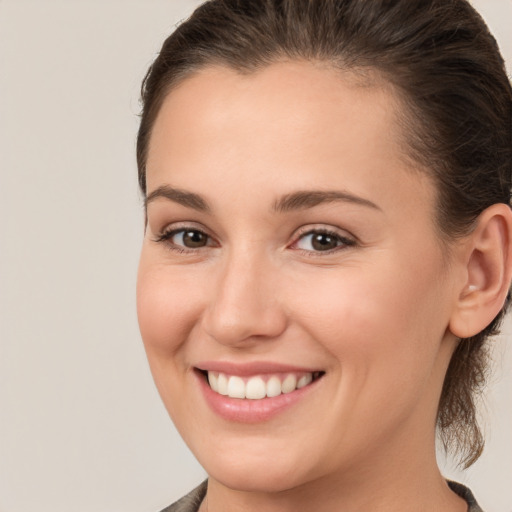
291	256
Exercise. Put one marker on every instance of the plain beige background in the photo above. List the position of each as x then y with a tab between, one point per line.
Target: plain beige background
81	425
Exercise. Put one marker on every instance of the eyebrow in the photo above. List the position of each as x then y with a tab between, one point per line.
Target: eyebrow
303	200
188	199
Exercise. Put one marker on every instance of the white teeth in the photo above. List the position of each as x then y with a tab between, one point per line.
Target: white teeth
213	379
236	387
289	384
255	388
222	384
304	380
273	386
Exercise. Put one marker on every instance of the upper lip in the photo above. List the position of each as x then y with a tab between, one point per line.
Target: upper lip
252	368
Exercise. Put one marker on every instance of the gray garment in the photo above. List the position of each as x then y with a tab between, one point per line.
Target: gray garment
192	501
465	493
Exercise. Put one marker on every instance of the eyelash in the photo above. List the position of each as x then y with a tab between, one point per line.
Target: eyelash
166	235
343	241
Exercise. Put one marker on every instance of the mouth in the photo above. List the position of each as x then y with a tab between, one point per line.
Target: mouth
260	386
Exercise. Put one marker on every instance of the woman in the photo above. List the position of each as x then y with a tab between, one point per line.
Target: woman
327	247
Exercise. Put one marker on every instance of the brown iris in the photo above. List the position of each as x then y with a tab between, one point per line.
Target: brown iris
323	241
194	239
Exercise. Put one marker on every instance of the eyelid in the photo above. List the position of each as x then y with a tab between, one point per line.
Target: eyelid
164	235
180	226
346	238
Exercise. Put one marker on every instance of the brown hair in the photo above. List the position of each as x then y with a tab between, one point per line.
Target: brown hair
446	67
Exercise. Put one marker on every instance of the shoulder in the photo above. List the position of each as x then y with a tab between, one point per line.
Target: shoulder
465	493
191	502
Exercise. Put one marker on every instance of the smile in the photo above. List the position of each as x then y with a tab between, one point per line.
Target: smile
258	387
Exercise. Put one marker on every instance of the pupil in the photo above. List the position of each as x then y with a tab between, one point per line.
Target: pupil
194	239
323	242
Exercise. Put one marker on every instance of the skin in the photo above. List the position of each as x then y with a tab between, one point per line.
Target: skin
373	314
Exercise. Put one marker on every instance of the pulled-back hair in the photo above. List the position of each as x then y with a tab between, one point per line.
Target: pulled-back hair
446	69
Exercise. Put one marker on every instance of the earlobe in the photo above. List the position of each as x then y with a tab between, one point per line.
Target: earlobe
488	262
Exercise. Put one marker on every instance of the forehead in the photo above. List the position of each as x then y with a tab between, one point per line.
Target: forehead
303	96
299	121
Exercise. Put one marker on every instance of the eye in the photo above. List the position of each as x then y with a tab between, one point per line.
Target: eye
190	238
322	241
185	238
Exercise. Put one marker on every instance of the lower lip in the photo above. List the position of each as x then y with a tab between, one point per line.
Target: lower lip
251	411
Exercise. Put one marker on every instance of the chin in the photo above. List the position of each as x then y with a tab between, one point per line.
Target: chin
257	471
259	479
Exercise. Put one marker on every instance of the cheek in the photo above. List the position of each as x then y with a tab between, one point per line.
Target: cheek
166	307
393	314
383	334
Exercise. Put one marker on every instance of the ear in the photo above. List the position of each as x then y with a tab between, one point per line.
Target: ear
488	272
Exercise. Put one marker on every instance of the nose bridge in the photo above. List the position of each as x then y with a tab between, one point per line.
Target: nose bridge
243	305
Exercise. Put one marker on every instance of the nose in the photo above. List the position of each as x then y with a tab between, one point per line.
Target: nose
244	308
